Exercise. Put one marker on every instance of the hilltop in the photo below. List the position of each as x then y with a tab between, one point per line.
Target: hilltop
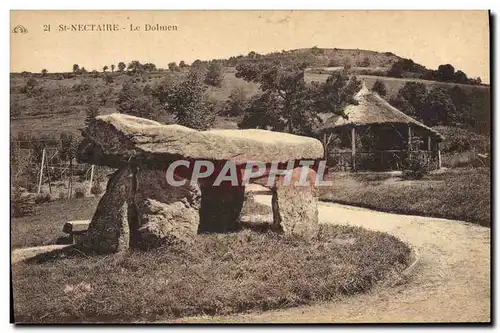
323	57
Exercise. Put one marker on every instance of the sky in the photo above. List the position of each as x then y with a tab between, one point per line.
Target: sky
430	38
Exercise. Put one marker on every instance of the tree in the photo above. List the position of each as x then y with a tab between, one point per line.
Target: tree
112	68
197	64
463	105
133	101
379	88
149	67
237	103
83	70
460	77
121	66
44	72
396	70
173	67
187	100
105	68
91	112
438	108
215	74
76	68
410	98
135	67
287	103
446	73
336	93
476	81
182	64
282	86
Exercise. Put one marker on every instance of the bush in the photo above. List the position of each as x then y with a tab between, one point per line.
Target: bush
42	197
379	88
96	189
79	192
81	87
21	203
416	166
365	62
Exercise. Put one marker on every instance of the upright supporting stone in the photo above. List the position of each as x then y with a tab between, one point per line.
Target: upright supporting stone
109	230
220	208
166	214
295	207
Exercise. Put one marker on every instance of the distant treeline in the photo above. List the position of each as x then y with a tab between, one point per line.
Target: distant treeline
375	63
444	73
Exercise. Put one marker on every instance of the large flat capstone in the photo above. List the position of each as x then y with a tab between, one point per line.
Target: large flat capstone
116	139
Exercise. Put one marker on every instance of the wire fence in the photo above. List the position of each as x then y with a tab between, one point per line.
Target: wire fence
46	170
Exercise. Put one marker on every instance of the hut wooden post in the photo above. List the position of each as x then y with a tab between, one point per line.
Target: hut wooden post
429	152
409	137
353	147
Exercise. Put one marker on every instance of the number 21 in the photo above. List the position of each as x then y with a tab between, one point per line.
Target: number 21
46	27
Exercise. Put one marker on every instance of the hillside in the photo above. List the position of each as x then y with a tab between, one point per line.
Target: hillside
53	103
60	104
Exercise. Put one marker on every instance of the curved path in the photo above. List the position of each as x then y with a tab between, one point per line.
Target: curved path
451	282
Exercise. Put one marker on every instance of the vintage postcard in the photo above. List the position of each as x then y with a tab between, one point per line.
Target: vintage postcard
250	166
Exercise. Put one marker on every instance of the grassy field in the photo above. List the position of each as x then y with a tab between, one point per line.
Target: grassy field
44	227
462	194
218	274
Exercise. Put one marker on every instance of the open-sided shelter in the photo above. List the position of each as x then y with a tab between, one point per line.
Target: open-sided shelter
377	136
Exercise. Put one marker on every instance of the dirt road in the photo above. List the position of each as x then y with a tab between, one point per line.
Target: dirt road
451	283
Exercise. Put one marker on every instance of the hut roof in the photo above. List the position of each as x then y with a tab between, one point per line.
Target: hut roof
372	110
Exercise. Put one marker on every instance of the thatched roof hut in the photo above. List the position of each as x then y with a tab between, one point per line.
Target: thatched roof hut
393	129
374	110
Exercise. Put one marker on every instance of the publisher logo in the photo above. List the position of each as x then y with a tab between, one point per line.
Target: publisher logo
19	29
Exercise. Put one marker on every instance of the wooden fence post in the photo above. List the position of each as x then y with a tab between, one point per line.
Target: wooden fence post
41	172
439	155
353	147
48	175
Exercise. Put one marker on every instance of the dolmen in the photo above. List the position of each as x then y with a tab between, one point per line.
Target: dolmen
173	182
